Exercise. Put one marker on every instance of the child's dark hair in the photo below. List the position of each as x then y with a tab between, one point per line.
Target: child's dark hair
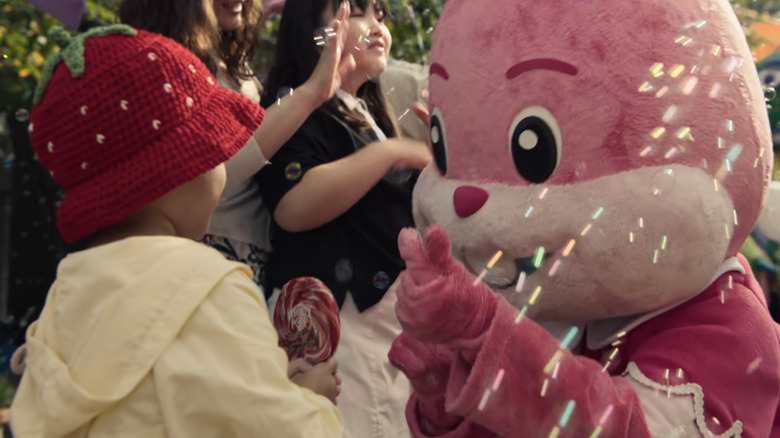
297	55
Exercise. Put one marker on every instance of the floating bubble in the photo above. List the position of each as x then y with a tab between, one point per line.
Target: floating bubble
343	271
293	171
770	94
381	280
22	115
398	176
282	93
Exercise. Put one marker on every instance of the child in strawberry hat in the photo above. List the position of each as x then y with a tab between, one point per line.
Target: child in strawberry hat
147	332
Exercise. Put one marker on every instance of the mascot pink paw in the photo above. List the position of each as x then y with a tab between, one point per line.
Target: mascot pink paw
428	367
437	298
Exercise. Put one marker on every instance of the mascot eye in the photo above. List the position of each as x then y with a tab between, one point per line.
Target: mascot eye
535	143
439	140
770	77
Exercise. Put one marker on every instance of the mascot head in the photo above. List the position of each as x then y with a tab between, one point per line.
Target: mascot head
615	152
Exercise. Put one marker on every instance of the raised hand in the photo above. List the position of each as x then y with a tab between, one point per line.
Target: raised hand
437	298
334	63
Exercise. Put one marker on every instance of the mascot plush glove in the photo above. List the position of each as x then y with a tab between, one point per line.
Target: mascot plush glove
437	288
439	301
429	272
617	153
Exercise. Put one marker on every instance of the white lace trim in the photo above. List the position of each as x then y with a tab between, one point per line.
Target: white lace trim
698	402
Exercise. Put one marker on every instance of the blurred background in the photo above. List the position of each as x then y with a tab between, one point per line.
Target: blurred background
30	247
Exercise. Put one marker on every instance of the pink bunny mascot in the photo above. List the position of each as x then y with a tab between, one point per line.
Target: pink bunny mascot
599	163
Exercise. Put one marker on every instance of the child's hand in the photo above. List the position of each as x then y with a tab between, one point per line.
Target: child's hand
297	366
334	63
408	154
321	379
421	110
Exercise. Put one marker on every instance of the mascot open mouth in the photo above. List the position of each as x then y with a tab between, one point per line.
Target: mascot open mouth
506	272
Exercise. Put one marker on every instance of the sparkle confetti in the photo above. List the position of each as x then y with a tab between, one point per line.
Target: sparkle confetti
497	382
544	387
567	413
554	268
548	369
658	132
521	314
539	257
570	337
535	295
569	247
753	366
495	259
520	282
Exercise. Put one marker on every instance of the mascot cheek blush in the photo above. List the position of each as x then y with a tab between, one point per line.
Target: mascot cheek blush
598	166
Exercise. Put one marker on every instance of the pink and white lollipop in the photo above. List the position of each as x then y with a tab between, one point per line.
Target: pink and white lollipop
306	318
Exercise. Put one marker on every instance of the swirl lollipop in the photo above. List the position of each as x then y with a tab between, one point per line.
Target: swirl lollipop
306	318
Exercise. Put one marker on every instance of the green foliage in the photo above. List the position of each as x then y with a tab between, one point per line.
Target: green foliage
7	391
23	48
770	7
24	44
412	26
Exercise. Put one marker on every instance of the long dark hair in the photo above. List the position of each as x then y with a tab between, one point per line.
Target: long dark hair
192	24
297	55
237	47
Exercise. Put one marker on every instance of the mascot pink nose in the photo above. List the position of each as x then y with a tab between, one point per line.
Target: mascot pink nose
468	200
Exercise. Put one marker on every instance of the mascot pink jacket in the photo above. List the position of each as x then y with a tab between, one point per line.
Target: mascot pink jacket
575	272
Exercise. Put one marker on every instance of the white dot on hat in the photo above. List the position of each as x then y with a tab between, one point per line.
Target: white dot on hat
168	88
152	56
192	68
123	104
50	147
211	81
100	138
84	110
156	124
84	165
190	102
30	128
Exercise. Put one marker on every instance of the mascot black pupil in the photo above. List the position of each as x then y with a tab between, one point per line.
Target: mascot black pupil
439	145
534	149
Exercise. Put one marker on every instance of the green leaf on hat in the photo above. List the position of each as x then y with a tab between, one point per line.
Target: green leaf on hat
72	52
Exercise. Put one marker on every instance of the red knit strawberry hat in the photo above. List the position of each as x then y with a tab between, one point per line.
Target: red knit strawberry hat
123	117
